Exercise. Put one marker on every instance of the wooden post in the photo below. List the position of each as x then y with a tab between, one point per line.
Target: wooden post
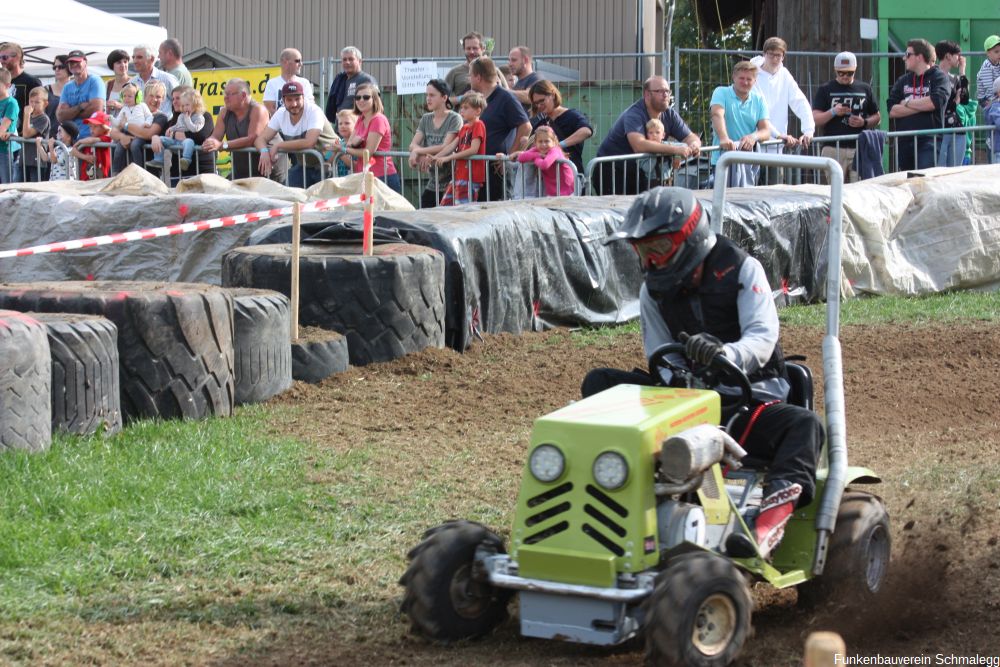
822	649
369	215
296	237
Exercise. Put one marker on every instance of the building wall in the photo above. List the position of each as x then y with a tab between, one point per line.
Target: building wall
259	29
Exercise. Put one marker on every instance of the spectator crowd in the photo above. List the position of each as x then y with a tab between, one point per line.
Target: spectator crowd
484	121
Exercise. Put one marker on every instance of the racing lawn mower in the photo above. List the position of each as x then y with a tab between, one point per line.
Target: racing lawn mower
633	513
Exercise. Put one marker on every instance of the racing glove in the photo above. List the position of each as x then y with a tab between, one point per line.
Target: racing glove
702	348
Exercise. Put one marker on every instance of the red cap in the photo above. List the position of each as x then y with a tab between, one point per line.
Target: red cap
291	88
99	118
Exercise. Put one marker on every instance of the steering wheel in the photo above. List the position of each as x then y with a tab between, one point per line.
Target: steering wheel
711	376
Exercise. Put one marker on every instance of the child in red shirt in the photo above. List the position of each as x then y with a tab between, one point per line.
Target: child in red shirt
471	140
98	158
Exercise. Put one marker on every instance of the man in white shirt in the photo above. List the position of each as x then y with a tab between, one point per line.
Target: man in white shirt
781	92
300	122
291	64
143	60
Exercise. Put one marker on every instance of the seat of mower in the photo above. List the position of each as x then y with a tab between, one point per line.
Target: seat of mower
800	382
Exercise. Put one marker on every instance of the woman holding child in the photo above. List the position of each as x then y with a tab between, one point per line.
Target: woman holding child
571	127
372	132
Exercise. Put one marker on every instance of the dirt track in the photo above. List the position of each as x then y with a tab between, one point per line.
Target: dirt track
921	406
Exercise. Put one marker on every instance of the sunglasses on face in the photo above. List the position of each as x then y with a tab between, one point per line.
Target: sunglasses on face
56	68
362	97
848	74
5	56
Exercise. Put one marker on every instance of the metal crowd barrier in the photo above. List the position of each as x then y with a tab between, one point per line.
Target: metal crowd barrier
697	173
20	170
516	179
693	173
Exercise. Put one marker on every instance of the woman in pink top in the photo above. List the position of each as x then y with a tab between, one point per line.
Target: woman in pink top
558	177
372	132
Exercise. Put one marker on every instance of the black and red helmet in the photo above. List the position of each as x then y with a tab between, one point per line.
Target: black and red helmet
670	231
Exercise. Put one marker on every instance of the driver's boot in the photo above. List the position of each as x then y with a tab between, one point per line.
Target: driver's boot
775	511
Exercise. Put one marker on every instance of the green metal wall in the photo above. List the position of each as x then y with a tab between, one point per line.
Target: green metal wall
968	22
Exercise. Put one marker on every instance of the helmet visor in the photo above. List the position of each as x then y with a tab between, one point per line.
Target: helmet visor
655	252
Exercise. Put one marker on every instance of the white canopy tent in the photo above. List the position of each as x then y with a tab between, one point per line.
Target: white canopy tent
47	28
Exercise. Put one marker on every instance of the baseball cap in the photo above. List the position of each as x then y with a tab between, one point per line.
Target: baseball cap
76	54
991	41
99	118
845	60
291	88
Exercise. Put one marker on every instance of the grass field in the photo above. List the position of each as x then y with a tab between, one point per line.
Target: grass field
223	524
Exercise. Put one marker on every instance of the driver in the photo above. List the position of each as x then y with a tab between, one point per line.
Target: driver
703	284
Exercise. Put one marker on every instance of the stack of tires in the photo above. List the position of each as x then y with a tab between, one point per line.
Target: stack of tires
174	345
25	379
386	305
85	356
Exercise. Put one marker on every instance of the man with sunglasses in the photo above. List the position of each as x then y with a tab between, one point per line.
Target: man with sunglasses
291	64
22	83
918	101
83	96
628	135
702	284
845	106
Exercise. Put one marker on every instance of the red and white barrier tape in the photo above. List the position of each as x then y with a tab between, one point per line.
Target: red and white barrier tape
182	228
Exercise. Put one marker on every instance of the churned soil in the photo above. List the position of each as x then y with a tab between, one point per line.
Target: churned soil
921	411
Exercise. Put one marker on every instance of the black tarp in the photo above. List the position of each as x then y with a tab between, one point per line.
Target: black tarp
529	265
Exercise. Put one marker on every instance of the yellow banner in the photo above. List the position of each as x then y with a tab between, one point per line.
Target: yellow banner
209	82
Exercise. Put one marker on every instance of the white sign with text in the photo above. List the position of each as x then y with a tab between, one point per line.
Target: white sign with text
412	77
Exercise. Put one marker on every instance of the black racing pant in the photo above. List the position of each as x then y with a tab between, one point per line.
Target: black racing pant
786	438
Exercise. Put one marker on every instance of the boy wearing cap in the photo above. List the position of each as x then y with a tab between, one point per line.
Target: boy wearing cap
989	72
844	106
83	96
302	126
98	158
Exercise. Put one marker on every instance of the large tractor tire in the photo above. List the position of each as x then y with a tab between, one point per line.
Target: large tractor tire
175	340
320	355
443	599
387	305
699	613
262	358
25	376
85	393
857	563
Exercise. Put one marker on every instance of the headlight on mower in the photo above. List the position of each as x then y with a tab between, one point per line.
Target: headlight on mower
546	463
611	470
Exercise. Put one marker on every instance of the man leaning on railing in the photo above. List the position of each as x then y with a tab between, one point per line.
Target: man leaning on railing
628	136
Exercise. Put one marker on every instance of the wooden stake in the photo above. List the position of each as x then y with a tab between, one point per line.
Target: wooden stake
296	237
822	649
369	216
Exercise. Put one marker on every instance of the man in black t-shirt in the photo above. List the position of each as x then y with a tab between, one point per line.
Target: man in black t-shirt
844	106
917	101
22	83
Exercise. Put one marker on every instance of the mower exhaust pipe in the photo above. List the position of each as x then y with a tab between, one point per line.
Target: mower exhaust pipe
833	375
